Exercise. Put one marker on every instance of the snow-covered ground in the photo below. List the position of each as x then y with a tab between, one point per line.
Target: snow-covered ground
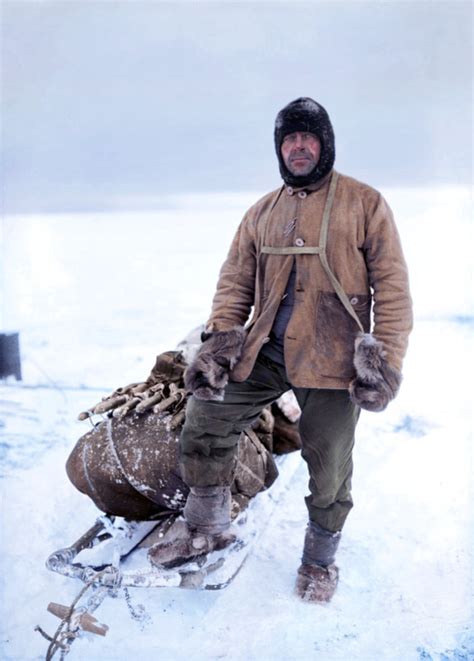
96	297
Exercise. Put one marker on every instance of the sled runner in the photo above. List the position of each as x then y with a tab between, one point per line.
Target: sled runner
127	464
113	556
116	553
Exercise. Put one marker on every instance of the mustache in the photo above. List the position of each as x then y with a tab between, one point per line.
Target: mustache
302	153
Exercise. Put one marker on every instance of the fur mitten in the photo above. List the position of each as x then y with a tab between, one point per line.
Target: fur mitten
377	382
208	374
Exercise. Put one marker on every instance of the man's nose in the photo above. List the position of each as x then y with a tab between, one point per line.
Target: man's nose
299	142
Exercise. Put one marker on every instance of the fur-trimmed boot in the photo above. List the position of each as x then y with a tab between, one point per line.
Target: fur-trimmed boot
318	575
205	528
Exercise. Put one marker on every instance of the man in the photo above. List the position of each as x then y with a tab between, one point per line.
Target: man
308	258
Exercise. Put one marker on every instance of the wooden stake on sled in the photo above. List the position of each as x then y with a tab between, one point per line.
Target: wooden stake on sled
85	620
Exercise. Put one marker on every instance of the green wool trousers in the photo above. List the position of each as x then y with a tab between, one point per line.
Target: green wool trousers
210	436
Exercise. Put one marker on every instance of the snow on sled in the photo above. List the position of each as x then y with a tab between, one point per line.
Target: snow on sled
128	464
115	552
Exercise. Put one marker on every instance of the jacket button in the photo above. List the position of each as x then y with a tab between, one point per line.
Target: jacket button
299	242
289	190
354	300
302	194
265	340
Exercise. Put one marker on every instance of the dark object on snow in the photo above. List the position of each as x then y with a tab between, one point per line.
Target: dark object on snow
10	363
208	374
377	382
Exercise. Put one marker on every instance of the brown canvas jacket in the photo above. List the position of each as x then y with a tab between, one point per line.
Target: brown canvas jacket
365	254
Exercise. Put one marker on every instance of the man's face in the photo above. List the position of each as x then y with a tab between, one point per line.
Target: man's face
300	152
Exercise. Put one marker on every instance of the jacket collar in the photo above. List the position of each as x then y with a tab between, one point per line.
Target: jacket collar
310	188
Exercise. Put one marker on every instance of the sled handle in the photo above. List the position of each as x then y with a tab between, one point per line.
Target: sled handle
85	620
66	555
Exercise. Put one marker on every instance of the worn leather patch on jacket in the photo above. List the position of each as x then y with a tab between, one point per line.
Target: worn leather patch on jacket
336	331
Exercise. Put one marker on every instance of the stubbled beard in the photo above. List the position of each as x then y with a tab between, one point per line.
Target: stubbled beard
304	170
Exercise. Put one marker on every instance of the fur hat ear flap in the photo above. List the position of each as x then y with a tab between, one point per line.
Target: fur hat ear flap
376	382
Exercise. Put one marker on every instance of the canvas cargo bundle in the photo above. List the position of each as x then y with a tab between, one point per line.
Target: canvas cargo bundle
129	466
128	463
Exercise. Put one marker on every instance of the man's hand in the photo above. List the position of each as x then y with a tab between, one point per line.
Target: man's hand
377	382
208	374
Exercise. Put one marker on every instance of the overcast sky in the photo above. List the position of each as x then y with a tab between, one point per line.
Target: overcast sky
124	100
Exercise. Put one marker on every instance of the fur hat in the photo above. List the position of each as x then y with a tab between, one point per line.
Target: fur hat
304	114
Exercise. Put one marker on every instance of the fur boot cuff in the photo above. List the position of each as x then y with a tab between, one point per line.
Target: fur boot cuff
207	509
377	382
208	374
320	545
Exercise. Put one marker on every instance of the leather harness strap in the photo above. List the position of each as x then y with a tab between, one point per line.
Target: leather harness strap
305	250
321	251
